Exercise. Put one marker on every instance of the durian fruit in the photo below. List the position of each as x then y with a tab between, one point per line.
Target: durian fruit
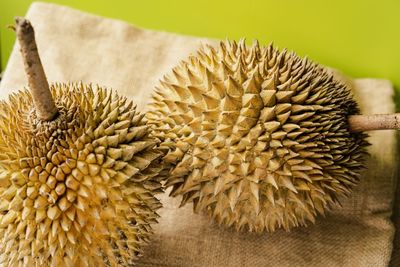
78	174
255	137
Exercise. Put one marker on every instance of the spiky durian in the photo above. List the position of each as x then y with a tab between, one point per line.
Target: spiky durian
79	189
255	137
77	183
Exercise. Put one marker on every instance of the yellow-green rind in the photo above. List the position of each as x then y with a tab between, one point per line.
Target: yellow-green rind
78	190
256	137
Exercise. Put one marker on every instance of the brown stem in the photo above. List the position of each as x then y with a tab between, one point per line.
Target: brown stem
42	99
361	123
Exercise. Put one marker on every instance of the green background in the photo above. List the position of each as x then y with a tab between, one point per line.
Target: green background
359	37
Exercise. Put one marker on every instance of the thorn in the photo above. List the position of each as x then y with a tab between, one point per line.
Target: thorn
11	27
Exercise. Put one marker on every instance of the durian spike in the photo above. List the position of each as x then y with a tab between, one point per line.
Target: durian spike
361	123
38	85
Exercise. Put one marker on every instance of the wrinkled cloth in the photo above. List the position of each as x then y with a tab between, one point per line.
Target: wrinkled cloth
76	46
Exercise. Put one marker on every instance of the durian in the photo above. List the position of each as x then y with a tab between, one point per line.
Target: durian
255	137
78	174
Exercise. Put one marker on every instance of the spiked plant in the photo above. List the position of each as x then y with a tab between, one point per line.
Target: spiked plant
256	137
78	173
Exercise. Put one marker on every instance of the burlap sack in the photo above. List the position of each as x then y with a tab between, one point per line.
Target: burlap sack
79	47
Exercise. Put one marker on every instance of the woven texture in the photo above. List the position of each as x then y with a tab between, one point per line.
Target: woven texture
79	47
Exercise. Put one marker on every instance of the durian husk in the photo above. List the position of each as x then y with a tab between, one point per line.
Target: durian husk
255	137
78	190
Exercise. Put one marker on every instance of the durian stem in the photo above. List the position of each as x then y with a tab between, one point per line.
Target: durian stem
361	123
42	99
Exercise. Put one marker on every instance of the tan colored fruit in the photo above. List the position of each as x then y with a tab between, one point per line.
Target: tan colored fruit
78	189
77	181
255	137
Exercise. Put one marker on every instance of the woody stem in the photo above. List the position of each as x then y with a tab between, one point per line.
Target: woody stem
42	99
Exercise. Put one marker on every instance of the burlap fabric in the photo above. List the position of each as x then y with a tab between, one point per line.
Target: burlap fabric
79	47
